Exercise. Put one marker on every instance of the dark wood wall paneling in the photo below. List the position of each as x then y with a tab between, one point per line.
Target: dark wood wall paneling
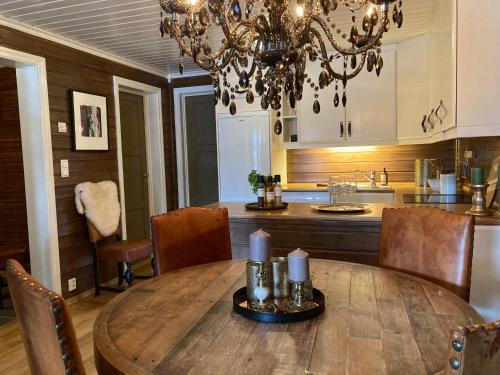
486	149
68	69
13	221
315	165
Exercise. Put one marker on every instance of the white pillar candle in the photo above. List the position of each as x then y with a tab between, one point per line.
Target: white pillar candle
298	265
260	246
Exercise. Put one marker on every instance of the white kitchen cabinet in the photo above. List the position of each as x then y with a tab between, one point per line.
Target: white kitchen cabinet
413	90
485	283
322	128
369	117
371	104
478	73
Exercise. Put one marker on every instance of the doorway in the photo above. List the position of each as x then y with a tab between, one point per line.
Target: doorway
196	142
141	165
38	171
201	142
135	166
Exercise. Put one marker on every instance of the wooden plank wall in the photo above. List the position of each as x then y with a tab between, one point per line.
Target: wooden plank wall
486	149
13	221
315	165
68	69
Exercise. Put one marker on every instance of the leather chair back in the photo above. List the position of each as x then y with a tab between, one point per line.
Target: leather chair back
474	350
190	236
95	236
429	243
46	328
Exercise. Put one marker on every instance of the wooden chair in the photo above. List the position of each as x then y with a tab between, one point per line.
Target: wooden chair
10	250
45	325
474	350
119	251
429	243
190	236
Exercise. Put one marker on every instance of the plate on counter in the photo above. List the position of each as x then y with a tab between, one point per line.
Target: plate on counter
255	206
341	207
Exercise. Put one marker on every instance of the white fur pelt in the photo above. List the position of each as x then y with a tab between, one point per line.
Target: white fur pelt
99	202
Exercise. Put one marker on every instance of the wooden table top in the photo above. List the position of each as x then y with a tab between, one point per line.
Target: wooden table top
375	322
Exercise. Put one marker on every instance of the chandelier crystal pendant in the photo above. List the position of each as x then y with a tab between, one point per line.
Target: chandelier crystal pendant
267	44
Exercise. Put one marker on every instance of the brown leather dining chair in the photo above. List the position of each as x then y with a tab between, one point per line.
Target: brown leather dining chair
190	236
474	350
429	243
45	324
114	249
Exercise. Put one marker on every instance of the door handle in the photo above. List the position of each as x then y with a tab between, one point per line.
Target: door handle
437	112
431	124
145	175
349	129
424	128
341	129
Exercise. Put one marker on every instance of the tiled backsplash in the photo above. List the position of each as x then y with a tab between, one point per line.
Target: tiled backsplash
315	165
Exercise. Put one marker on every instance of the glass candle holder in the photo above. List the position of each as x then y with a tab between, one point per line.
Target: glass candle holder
300	296
259	296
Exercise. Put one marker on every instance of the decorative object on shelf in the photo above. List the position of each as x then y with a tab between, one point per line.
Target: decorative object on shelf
478	201
269	45
90	122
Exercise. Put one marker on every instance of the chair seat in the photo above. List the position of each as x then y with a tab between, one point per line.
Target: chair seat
125	251
10	250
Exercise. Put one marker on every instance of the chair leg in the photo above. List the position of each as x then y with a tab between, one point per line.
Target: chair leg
153	266
129	275
2	284
97	286
120	273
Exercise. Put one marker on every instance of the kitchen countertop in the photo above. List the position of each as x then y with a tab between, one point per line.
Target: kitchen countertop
303	211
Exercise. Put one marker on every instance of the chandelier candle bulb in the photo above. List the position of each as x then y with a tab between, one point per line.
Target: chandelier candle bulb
298	265
260	246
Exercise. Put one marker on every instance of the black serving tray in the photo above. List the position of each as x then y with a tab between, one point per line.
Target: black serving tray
255	206
240	298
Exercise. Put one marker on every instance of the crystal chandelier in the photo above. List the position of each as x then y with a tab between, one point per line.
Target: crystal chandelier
267	44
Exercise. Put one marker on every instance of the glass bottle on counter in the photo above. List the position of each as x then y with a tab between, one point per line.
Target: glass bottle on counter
261	192
278	191
269	192
383	178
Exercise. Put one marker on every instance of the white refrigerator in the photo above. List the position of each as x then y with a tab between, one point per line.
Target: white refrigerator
243	143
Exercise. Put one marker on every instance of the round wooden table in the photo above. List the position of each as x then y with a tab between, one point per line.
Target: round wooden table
376	322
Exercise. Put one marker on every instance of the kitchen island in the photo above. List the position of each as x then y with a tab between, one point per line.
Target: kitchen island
346	237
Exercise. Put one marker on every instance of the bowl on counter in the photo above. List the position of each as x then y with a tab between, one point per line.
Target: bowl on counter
435	184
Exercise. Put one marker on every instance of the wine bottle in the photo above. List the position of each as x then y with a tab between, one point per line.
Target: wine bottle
269	192
278	191
261	192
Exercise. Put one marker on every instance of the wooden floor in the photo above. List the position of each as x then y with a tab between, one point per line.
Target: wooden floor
83	312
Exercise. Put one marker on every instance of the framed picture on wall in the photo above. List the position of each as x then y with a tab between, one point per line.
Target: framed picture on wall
90	122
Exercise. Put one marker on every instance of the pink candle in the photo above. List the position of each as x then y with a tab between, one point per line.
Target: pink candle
298	265
260	246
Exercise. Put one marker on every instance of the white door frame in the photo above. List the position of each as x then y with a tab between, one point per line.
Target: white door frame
153	122
36	141
180	94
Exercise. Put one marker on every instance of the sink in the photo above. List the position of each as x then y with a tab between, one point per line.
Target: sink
384	189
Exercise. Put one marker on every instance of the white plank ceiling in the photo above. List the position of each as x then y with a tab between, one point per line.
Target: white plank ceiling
129	28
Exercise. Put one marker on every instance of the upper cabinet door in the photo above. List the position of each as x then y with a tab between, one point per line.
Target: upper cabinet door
478	60
323	128
413	90
371	104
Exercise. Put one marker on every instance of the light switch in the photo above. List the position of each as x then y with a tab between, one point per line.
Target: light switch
62	127
64	168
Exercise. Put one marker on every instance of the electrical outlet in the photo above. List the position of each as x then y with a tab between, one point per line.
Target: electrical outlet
64	168
72	284
62	127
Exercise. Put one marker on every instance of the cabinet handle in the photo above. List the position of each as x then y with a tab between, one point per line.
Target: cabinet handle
424	128
431	124
341	129
349	129
437	110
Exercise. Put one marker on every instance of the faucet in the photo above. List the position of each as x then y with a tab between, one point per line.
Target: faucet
371	177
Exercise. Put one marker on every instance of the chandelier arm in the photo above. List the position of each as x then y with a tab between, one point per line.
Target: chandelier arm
351	51
326	60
